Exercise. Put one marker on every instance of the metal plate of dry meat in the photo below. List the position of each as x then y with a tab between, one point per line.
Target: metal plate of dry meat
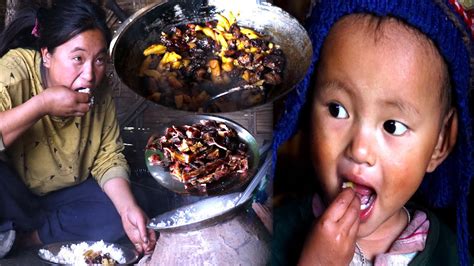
210	210
222	186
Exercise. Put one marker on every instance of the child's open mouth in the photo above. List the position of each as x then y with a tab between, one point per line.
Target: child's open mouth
366	195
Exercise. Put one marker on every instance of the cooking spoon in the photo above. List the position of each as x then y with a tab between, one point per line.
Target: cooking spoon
211	100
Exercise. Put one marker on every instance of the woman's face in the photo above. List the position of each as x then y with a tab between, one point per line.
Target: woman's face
376	118
79	62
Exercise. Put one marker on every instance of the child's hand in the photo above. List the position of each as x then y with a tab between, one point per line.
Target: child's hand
332	240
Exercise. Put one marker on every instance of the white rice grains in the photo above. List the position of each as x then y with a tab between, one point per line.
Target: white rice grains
74	253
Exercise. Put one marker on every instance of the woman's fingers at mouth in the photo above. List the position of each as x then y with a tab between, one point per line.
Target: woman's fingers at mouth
83	98
83	108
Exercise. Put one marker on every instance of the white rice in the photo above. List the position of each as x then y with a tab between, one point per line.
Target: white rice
74	254
84	90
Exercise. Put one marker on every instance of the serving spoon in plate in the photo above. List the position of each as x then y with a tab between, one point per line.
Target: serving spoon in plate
218	96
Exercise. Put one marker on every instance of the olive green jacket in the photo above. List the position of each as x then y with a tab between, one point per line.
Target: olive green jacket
59	152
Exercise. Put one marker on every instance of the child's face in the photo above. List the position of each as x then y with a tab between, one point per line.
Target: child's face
376	118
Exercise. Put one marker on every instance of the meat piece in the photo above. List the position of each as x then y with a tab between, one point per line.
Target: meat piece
245	59
272	78
274	62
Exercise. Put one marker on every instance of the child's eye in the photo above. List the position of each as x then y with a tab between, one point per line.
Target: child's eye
337	111
394	127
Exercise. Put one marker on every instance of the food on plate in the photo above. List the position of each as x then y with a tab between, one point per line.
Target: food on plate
193	62
97	253
96	257
200	154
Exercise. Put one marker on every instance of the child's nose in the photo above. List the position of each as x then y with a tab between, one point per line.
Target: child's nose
360	148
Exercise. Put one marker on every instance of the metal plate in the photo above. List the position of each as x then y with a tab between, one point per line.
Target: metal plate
223	186
130	255
208	211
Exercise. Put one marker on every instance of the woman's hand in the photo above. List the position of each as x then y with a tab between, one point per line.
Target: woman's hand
56	101
64	102
333	237
133	218
134	222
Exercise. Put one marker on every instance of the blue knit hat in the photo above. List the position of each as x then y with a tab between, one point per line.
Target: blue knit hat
439	21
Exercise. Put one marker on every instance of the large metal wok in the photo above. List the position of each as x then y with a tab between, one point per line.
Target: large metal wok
144	27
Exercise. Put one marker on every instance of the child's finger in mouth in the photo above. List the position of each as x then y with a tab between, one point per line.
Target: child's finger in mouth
366	195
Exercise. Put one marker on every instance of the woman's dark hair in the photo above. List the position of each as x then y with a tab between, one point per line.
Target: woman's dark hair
54	26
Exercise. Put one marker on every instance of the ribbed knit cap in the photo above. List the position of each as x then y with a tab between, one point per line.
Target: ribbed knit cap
441	22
